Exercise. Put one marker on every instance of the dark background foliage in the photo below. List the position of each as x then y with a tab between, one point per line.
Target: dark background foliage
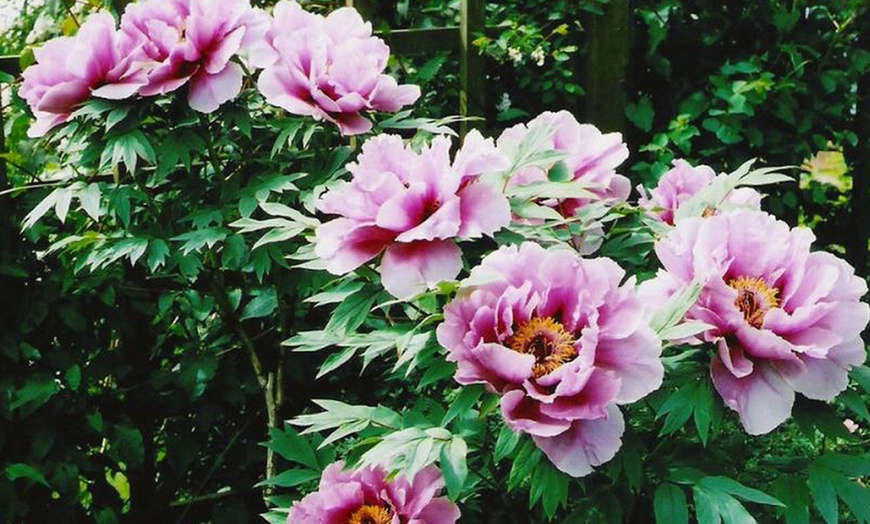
128	395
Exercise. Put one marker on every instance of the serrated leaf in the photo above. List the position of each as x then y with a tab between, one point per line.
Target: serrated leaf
261	305
336	360
41	209
505	444
292	446
462	403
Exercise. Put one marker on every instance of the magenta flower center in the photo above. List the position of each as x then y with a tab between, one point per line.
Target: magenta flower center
370	514
547	340
754	299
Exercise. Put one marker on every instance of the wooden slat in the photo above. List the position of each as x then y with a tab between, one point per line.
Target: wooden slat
472	90
410	42
608	47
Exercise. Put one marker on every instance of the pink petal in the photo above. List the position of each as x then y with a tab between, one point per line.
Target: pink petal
506	364
587	443
521	413
762	399
409	269
483	210
345	244
209	91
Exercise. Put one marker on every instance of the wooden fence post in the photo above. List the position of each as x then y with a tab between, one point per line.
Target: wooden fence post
608	45
860	198
472	70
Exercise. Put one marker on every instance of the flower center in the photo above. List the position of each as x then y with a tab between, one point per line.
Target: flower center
547	340
370	514
754	299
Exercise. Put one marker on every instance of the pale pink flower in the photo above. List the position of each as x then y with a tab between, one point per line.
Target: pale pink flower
411	206
592	158
784	319
97	61
330	68
563	344
193	42
681	183
365	496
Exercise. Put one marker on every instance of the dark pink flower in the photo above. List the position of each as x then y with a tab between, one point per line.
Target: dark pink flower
563	344
97	61
364	496
330	68
592	157
784	319
193	41
681	183
411	206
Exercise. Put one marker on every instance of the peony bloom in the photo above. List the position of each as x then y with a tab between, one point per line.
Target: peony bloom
365	496
784	319
411	206
98	61
193	41
681	183
562	343
330	68
592	159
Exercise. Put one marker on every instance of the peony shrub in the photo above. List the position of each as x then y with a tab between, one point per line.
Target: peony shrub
516	321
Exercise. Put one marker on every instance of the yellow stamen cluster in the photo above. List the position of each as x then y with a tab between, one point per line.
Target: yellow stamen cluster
370	514
754	299
545	339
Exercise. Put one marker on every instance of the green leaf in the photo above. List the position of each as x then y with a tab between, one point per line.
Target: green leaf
703	410
669	505
740	491
824	494
290	478
641	114
156	255
505	444
35	392
25	471
851	465
350	314
463	402
550	486
856	497
793	492
197	239
293	447
336	360
454	467
41	209
73	377
672	311
262	305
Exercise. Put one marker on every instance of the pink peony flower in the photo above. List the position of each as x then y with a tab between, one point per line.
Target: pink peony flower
784	319
365	496
97	61
330	68
592	159
563	344
411	206
193	41
681	183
